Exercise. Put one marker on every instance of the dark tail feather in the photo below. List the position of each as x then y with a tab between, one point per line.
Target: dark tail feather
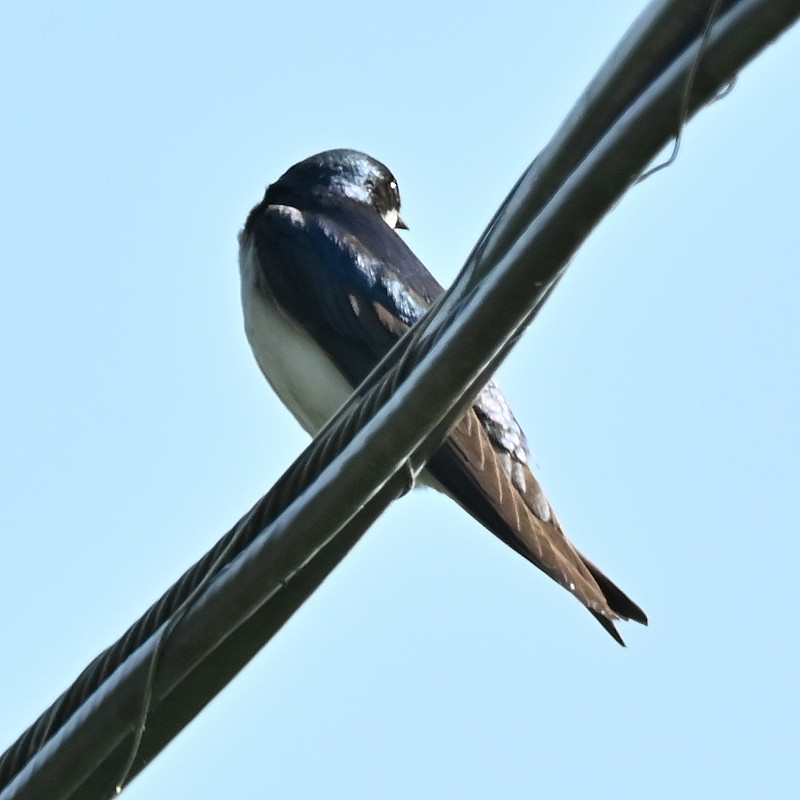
618	601
609	626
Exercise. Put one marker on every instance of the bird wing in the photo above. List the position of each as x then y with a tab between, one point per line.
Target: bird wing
373	289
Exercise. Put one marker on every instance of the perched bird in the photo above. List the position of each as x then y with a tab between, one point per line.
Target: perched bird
328	286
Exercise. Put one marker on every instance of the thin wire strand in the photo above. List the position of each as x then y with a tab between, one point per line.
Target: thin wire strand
683	116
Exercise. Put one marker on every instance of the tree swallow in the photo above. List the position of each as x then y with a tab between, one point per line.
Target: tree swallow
328	286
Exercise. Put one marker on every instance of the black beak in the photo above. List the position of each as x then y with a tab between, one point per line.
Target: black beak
400	224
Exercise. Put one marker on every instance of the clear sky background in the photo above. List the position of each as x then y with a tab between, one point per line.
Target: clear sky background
659	390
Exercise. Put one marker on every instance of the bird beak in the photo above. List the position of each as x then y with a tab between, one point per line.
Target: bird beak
400	224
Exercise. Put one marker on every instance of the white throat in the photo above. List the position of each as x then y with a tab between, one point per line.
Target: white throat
391	217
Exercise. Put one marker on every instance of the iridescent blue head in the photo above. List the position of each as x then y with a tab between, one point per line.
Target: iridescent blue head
340	174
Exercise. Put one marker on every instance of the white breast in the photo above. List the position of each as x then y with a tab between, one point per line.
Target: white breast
296	367
298	370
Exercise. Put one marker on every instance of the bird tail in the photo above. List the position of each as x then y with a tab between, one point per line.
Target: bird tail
617	600
503	495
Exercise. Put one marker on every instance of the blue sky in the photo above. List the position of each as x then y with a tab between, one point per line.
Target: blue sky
659	390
